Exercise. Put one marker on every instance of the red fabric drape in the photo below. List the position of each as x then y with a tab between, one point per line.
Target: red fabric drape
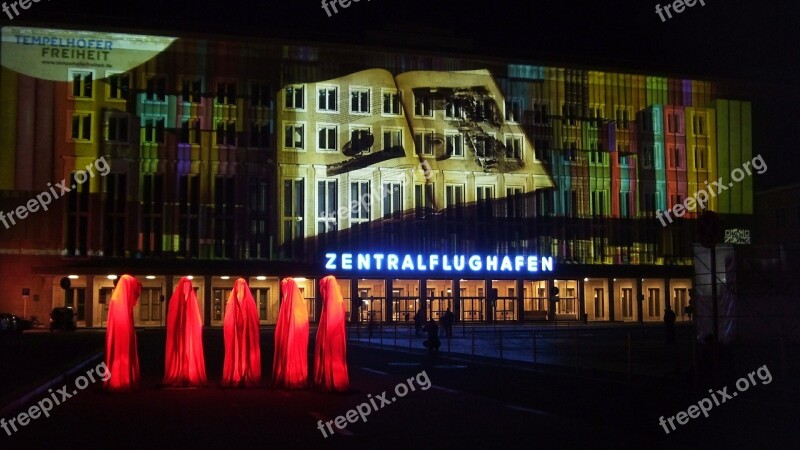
290	365
122	358
184	361
242	338
330	349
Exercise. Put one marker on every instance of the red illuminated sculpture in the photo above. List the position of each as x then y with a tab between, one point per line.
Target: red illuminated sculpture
184	361
122	357
330	352
290	365
242	346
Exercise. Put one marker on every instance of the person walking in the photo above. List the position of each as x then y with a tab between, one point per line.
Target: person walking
447	322
433	342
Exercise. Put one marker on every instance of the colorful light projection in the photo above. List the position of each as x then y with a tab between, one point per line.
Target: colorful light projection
290	365
330	350
122	357
242	365
184	361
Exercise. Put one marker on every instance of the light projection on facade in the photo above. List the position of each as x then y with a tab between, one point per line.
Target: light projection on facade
290	364
242	366
330	349
44	53
122	356
184	360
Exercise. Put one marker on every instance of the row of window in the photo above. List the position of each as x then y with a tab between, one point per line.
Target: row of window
117	128
360	100
191	89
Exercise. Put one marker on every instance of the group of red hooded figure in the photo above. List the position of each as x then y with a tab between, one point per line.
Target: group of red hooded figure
185	363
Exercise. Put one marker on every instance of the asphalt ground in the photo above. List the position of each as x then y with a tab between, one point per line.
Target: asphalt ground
469	404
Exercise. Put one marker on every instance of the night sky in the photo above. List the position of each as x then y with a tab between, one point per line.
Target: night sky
752	45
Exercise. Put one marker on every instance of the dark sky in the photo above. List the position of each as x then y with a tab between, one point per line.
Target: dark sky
755	44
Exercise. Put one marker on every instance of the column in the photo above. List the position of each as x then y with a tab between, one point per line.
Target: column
611	292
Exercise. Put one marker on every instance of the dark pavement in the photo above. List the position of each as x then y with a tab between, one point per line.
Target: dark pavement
470	405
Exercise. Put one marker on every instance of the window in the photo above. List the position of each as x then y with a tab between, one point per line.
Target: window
257	211
81	123
81	83
423	142
191	90
295	96
150	305
423	106
77	228
515	202
675	157
454	200
484	197
570	152
114	216
293	209
514	147
117	126
542	149
226	93
189	215
391	103
76	298
260	134
674	124
622	119
226	133
260	95
647	121
224	216
699	124
570	114
294	136
513	110
360	139
596	117
327	99
455	144
119	86
327	206
156	89
152	213
326	138
392	138
647	156
392	198
653	302
598	205
359	100
627	302
453	110
541	114
190	131
153	130
700	158
360	201
623	160
626	208
423	197
596	154
599	302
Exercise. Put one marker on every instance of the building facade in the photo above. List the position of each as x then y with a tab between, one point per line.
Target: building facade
221	158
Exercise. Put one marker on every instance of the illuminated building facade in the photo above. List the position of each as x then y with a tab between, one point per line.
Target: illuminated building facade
256	159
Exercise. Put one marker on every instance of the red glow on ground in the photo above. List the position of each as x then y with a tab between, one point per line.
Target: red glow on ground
330	352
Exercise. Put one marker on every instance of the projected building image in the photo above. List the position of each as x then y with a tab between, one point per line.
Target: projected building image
503	190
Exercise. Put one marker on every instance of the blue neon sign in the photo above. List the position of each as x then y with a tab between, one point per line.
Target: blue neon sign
393	262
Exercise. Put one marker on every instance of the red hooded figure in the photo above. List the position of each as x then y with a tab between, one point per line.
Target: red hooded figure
290	366
330	350
122	357
242	338
184	362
